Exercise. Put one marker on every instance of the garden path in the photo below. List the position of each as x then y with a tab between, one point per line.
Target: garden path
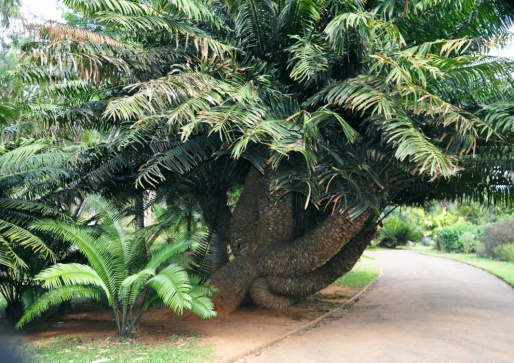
423	309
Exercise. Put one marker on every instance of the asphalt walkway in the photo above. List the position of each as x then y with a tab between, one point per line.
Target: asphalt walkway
423	309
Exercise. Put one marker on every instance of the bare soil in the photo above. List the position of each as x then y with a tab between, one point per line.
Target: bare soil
229	336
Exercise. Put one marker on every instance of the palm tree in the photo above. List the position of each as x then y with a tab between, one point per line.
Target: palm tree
115	275
27	173
334	110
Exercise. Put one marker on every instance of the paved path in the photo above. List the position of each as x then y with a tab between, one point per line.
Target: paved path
423	309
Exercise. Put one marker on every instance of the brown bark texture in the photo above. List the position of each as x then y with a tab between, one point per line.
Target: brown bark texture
271	267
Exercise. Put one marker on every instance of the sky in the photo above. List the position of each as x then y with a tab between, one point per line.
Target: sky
42	9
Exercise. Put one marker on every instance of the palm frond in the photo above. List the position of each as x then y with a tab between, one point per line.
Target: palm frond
173	286
71	274
179	245
57	296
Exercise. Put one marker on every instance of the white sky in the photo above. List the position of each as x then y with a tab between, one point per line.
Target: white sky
42	9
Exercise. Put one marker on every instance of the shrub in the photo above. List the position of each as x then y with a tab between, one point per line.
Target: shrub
505	252
397	232
458	238
496	235
469	242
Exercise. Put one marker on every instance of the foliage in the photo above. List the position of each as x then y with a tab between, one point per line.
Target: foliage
28	171
325	87
354	105
397	232
116	274
496	235
505	252
458	238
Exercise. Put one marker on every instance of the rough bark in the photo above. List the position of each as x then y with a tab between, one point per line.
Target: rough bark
275	224
309	283
232	282
139	211
311	250
262	296
269	266
243	226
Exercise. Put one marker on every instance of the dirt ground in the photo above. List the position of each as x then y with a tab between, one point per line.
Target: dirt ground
229	336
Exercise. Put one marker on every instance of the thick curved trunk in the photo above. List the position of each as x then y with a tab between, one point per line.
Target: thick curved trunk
232	282
280	290
243	226
271	267
311	250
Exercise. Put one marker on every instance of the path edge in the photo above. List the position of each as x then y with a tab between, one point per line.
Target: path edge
311	324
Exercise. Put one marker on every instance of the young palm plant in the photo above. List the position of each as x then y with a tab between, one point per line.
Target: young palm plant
116	273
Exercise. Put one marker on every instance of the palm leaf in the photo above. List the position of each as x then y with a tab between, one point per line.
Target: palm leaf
173	286
57	296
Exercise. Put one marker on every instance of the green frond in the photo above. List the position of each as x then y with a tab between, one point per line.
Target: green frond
131	287
322	117
71	274
173	286
178	160
180	244
91	8
110	268
201	305
22	237
8	256
57	296
253	22
307	59
368	26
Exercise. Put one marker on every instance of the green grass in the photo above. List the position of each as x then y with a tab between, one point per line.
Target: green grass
77	350
3	303
364	271
504	270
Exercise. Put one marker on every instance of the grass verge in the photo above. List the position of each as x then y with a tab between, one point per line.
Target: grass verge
78	350
504	270
365	271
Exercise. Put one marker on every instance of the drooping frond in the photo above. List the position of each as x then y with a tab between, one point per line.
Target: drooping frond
57	296
201	305
71	274
179	245
173	286
110	268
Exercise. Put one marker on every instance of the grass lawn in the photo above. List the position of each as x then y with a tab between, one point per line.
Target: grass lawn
77	350
365	271
504	270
